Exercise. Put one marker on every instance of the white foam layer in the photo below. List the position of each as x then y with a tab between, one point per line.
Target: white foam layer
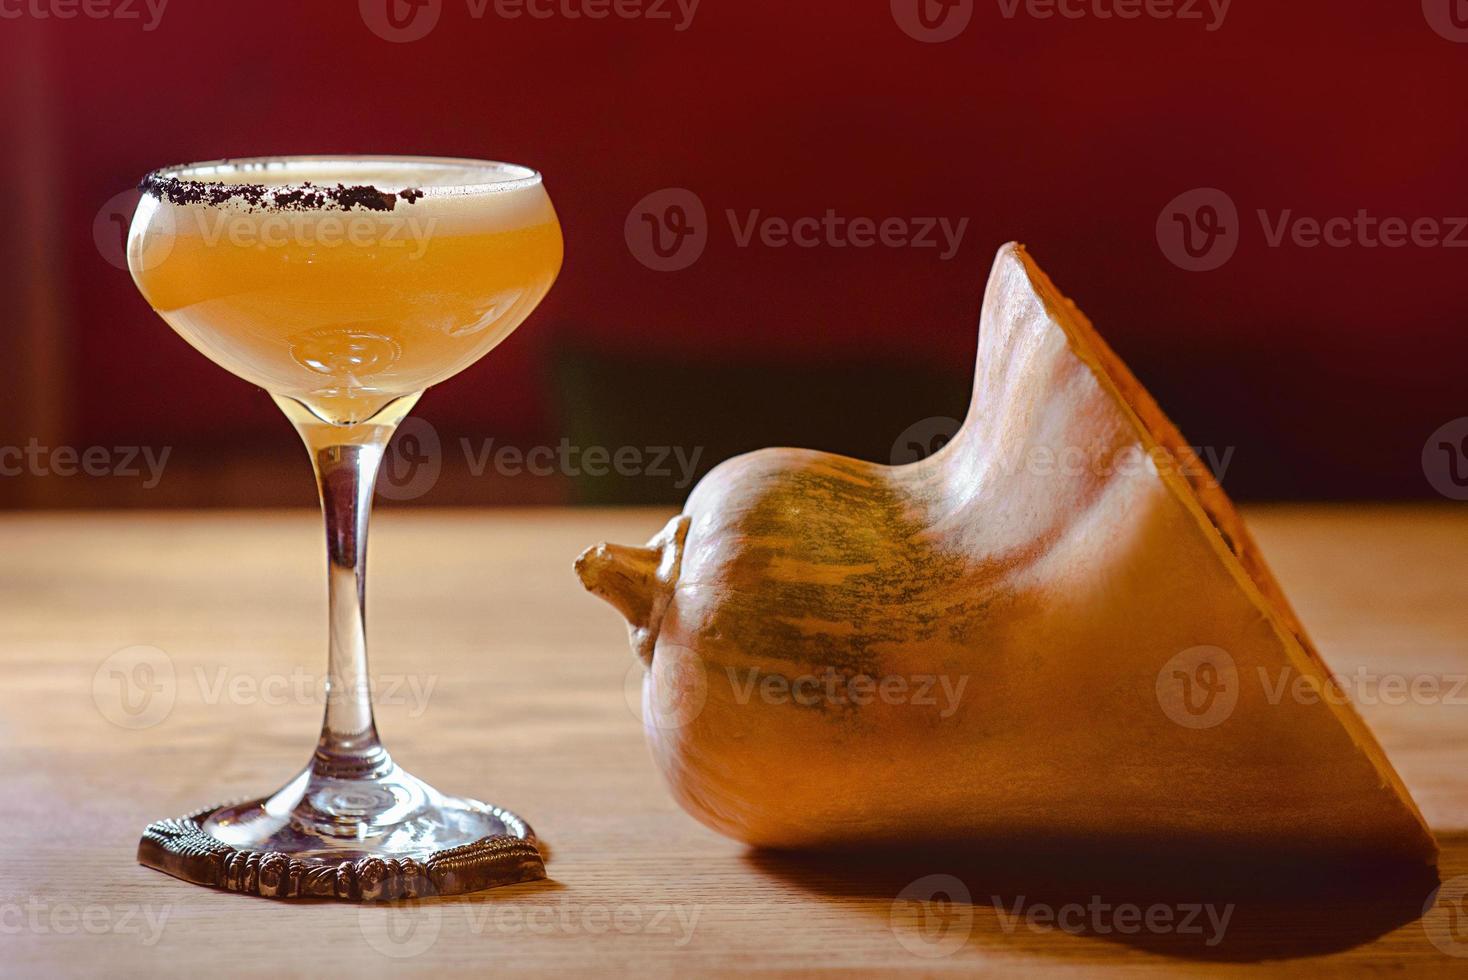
458	196
389	174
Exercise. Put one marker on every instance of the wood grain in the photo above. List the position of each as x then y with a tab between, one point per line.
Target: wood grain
502	680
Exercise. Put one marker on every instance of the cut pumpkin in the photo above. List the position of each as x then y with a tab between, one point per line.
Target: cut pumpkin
1079	639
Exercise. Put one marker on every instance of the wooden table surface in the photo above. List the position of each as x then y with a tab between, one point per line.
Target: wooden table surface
501	679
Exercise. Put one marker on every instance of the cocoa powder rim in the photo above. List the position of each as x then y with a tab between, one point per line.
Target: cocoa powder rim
178	184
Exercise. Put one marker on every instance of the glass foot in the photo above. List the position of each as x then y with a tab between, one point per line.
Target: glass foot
365	839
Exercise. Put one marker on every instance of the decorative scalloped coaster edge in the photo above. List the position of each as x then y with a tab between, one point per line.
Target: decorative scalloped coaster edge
180	847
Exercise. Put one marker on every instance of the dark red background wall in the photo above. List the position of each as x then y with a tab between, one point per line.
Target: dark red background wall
1326	368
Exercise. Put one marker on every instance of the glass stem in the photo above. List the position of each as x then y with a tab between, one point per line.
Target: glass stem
346	459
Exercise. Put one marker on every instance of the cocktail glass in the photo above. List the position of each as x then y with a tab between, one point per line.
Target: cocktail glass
345	286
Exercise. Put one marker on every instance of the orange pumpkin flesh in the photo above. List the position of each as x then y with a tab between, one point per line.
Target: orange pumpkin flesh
1040	568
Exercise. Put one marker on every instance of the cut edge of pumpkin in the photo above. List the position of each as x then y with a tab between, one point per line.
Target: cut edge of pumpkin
1206	501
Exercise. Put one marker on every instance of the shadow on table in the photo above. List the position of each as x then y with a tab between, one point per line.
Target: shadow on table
1041	897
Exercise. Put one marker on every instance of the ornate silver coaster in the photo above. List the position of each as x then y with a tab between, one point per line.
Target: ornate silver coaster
180	847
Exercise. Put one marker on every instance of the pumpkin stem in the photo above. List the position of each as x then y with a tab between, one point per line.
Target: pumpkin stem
622	576
638	582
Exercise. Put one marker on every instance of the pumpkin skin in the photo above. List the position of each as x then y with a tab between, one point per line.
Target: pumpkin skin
1039	575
